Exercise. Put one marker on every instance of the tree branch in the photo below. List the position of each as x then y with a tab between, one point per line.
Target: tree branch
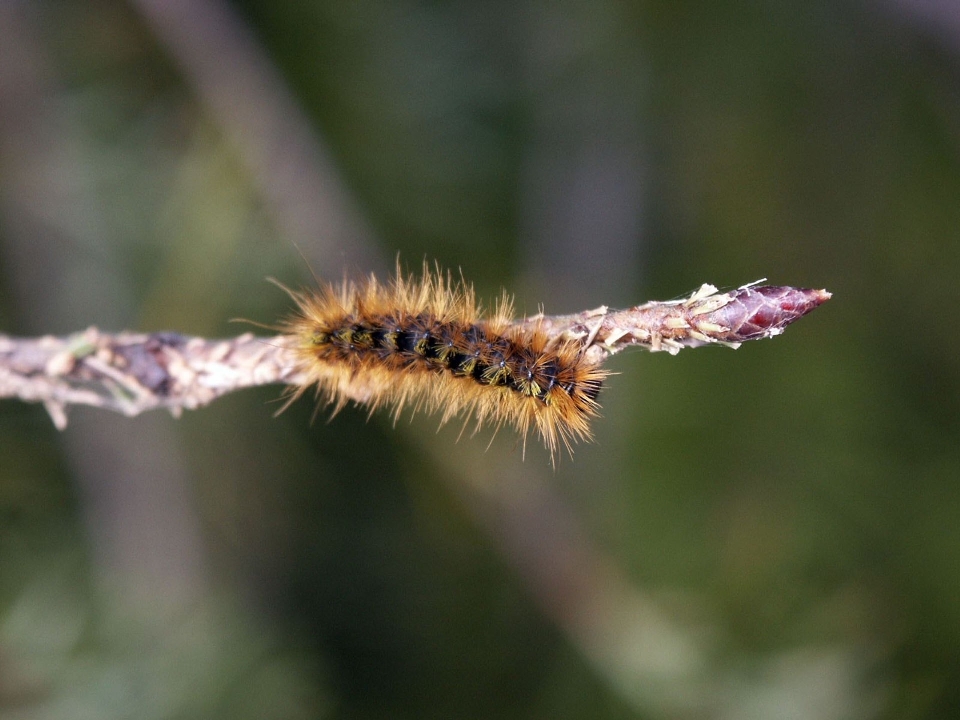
130	373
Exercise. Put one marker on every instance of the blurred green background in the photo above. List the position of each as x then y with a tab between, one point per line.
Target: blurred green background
767	533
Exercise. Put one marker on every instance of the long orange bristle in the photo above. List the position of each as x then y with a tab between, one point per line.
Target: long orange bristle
426	343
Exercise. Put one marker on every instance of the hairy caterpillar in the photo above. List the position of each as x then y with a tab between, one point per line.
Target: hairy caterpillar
425	342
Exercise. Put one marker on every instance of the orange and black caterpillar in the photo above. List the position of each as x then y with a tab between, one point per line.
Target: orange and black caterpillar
426	342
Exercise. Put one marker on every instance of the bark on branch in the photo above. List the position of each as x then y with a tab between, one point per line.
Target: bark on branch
131	373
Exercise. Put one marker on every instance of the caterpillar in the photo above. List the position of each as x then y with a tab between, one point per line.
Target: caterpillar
426	342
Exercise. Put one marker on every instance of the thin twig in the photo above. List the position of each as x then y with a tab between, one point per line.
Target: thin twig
130	373
751	312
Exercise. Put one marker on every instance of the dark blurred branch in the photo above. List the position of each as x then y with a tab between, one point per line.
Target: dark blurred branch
235	79
131	373
937	18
